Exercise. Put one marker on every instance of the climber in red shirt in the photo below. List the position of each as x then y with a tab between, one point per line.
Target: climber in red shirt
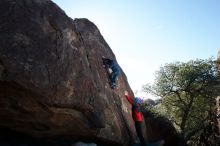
137	116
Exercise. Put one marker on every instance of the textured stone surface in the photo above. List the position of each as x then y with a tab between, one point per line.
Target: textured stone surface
161	128
52	82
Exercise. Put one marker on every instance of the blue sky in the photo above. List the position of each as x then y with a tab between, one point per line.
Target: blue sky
146	34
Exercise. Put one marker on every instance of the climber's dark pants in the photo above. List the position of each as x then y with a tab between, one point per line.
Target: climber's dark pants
139	132
113	77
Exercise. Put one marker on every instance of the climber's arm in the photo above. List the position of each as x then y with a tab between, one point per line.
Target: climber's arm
107	62
128	97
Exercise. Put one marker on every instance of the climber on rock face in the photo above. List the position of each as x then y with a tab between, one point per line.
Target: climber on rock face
113	69
136	115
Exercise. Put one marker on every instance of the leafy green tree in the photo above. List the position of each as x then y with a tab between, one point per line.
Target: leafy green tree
188	93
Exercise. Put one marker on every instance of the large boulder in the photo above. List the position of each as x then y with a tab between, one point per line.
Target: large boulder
158	127
52	80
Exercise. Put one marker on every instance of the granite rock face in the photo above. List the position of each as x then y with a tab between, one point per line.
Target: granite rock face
52	80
